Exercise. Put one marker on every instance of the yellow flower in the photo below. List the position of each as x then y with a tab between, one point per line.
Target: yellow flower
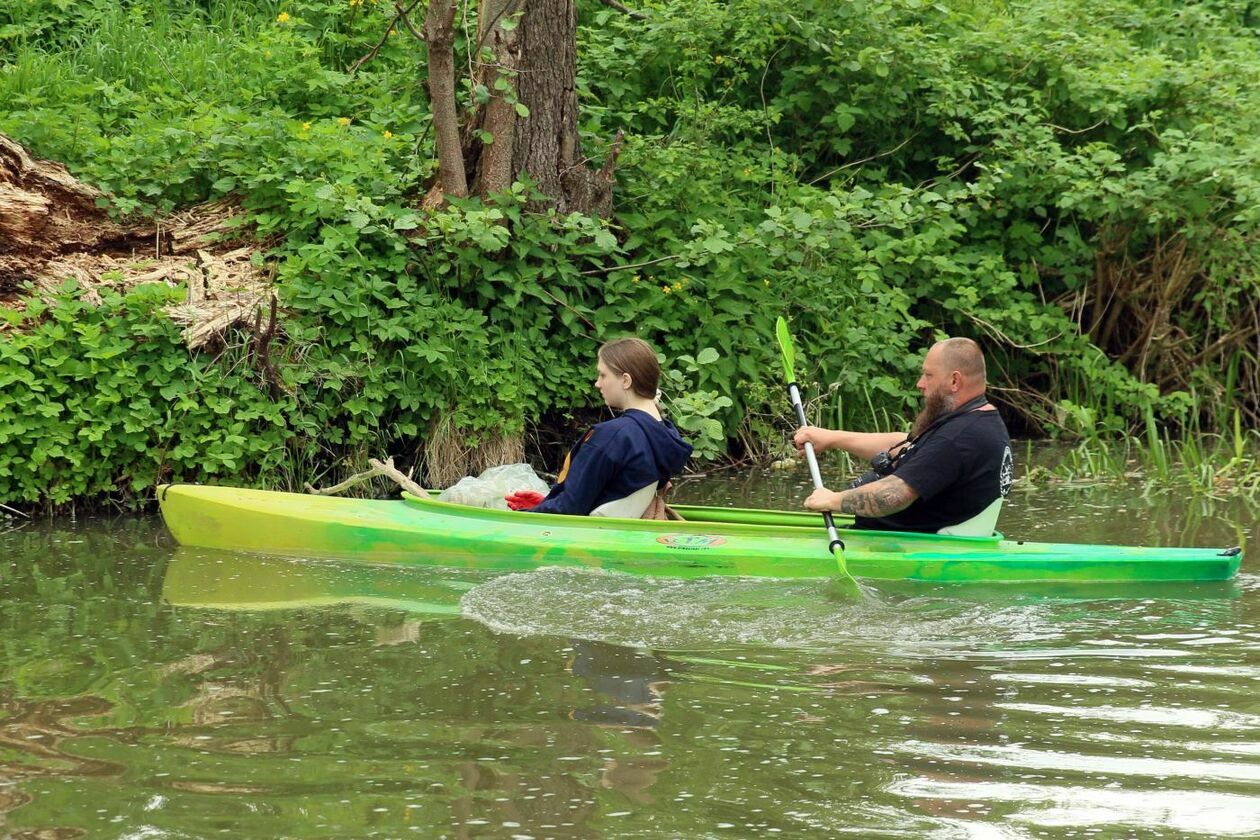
343	121
717	59
665	289
765	280
678	287
634	278
283	17
387	134
354	3
306	126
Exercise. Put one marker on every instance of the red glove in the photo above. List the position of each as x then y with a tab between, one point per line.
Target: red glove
524	499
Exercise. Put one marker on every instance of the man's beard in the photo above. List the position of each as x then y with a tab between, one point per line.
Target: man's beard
935	406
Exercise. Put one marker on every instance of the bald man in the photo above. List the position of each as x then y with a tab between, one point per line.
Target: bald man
952	468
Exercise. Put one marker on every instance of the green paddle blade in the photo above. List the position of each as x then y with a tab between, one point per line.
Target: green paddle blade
785	346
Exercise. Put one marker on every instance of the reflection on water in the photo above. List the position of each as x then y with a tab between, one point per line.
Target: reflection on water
223	580
147	691
632	682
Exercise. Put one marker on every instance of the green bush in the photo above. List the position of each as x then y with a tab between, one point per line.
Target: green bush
105	401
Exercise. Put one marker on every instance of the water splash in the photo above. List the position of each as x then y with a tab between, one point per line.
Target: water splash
721	612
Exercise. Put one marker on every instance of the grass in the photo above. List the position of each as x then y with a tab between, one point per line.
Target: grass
1215	465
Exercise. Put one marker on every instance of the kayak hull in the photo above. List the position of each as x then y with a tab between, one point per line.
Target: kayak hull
714	541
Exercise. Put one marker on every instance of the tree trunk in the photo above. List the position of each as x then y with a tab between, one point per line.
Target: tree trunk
498	119
525	55
439	33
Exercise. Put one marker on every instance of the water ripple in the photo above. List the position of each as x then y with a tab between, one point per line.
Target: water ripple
699	614
1016	755
1168	716
1196	812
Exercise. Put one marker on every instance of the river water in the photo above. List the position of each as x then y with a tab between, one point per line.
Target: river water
148	691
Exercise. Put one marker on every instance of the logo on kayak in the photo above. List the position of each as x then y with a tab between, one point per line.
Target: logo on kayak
690	542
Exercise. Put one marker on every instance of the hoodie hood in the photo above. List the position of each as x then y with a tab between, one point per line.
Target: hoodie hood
669	450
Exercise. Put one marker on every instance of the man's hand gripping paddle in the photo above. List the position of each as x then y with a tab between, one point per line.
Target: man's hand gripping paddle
848	584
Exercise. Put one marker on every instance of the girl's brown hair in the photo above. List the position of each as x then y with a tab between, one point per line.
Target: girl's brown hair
637	358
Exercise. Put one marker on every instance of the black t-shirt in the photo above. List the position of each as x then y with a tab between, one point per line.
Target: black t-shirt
958	470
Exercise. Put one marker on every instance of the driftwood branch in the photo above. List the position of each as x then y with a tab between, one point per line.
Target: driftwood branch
385	469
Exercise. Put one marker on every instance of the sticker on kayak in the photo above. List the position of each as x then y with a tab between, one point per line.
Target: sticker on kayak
690	542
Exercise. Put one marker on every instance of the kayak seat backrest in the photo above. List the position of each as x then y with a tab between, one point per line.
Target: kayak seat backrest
982	524
629	507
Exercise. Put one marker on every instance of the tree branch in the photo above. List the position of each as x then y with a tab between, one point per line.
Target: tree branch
614	151
262	351
613	4
611	268
401	14
372	53
898	148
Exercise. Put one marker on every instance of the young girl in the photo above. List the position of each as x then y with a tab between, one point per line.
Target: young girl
618	466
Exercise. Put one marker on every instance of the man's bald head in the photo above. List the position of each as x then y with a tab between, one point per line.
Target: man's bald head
964	356
953	374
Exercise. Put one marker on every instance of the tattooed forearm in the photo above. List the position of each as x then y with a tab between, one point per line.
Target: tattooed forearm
879	498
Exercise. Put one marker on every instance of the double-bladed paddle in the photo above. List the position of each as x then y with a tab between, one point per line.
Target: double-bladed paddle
836	545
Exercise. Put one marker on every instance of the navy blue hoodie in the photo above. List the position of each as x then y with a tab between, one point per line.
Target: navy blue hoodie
614	459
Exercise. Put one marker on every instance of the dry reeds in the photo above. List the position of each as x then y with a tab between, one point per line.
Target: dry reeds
450	454
1150	309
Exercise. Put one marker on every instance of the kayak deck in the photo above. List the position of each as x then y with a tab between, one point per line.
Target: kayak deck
713	541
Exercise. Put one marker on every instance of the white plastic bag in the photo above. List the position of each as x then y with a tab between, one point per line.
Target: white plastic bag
488	489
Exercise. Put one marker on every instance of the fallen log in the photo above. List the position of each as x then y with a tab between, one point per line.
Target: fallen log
54	228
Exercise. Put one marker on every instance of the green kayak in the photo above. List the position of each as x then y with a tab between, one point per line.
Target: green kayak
713	541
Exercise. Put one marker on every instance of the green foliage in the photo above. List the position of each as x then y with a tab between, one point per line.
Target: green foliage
103	400
881	173
692	410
